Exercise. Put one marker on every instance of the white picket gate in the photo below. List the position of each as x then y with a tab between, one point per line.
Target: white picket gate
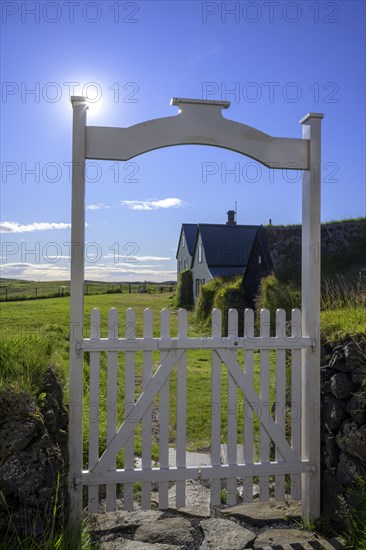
280	420
199	122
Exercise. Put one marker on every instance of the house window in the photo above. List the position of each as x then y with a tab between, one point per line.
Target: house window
183	241
200	254
180	265
259	259
198	283
185	265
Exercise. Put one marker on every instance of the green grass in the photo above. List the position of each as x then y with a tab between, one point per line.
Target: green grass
20	290
35	333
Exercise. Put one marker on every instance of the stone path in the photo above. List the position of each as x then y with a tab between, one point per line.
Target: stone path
259	525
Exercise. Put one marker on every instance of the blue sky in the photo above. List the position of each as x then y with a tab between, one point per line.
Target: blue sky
275	61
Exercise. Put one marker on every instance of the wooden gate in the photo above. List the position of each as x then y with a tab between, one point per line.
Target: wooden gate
200	122
268	419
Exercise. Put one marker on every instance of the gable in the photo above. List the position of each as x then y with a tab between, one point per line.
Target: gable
188	232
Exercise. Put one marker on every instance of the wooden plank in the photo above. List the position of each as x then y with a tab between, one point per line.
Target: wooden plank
296	403
248	440
94	388
181	410
80	106
265	397
216	407
232	407
129	405
197	126
147	418
157	344
280	411
192	472
164	412
112	401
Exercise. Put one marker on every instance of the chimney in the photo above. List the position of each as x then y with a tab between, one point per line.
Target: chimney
231	217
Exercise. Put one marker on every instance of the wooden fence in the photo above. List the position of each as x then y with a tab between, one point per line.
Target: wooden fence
270	430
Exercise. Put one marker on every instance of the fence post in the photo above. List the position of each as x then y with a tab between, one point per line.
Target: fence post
310	291
79	106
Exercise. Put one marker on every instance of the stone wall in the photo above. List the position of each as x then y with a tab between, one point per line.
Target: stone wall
343	425
33	460
284	243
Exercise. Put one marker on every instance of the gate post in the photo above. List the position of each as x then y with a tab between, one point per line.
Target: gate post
79	106
310	292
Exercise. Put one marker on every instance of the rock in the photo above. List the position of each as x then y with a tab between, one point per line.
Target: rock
15	435
358	377
262	513
348	469
357	409
126	544
31	474
331	491
120	520
52	407
248	491
171	531
354	355
225	534
295	538
333	412
330	451
352	439
338	361
342	385
197	499
326	373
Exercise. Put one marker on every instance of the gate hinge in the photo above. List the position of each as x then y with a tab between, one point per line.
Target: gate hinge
313	345
78	347
313	469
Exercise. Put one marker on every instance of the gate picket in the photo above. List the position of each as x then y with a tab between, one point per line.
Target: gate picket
296	366
181	411
129	404
265	396
280	402
248	451
216	407
164	412
93	490
112	401
231	411
147	418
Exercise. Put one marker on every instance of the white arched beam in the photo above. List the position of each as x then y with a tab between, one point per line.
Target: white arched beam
198	123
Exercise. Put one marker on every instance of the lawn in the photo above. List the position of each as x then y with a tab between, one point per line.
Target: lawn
33	321
39	325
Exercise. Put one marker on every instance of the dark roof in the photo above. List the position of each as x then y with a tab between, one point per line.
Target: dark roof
227	245
190	230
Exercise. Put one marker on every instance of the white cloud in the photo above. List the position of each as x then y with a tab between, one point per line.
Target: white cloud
98	206
34	272
15	227
97	272
139	258
153	204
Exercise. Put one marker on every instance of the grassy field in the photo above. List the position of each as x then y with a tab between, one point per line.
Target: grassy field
44	324
41	326
34	334
19	290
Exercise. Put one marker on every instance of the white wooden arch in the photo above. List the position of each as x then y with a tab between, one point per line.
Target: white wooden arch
201	122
